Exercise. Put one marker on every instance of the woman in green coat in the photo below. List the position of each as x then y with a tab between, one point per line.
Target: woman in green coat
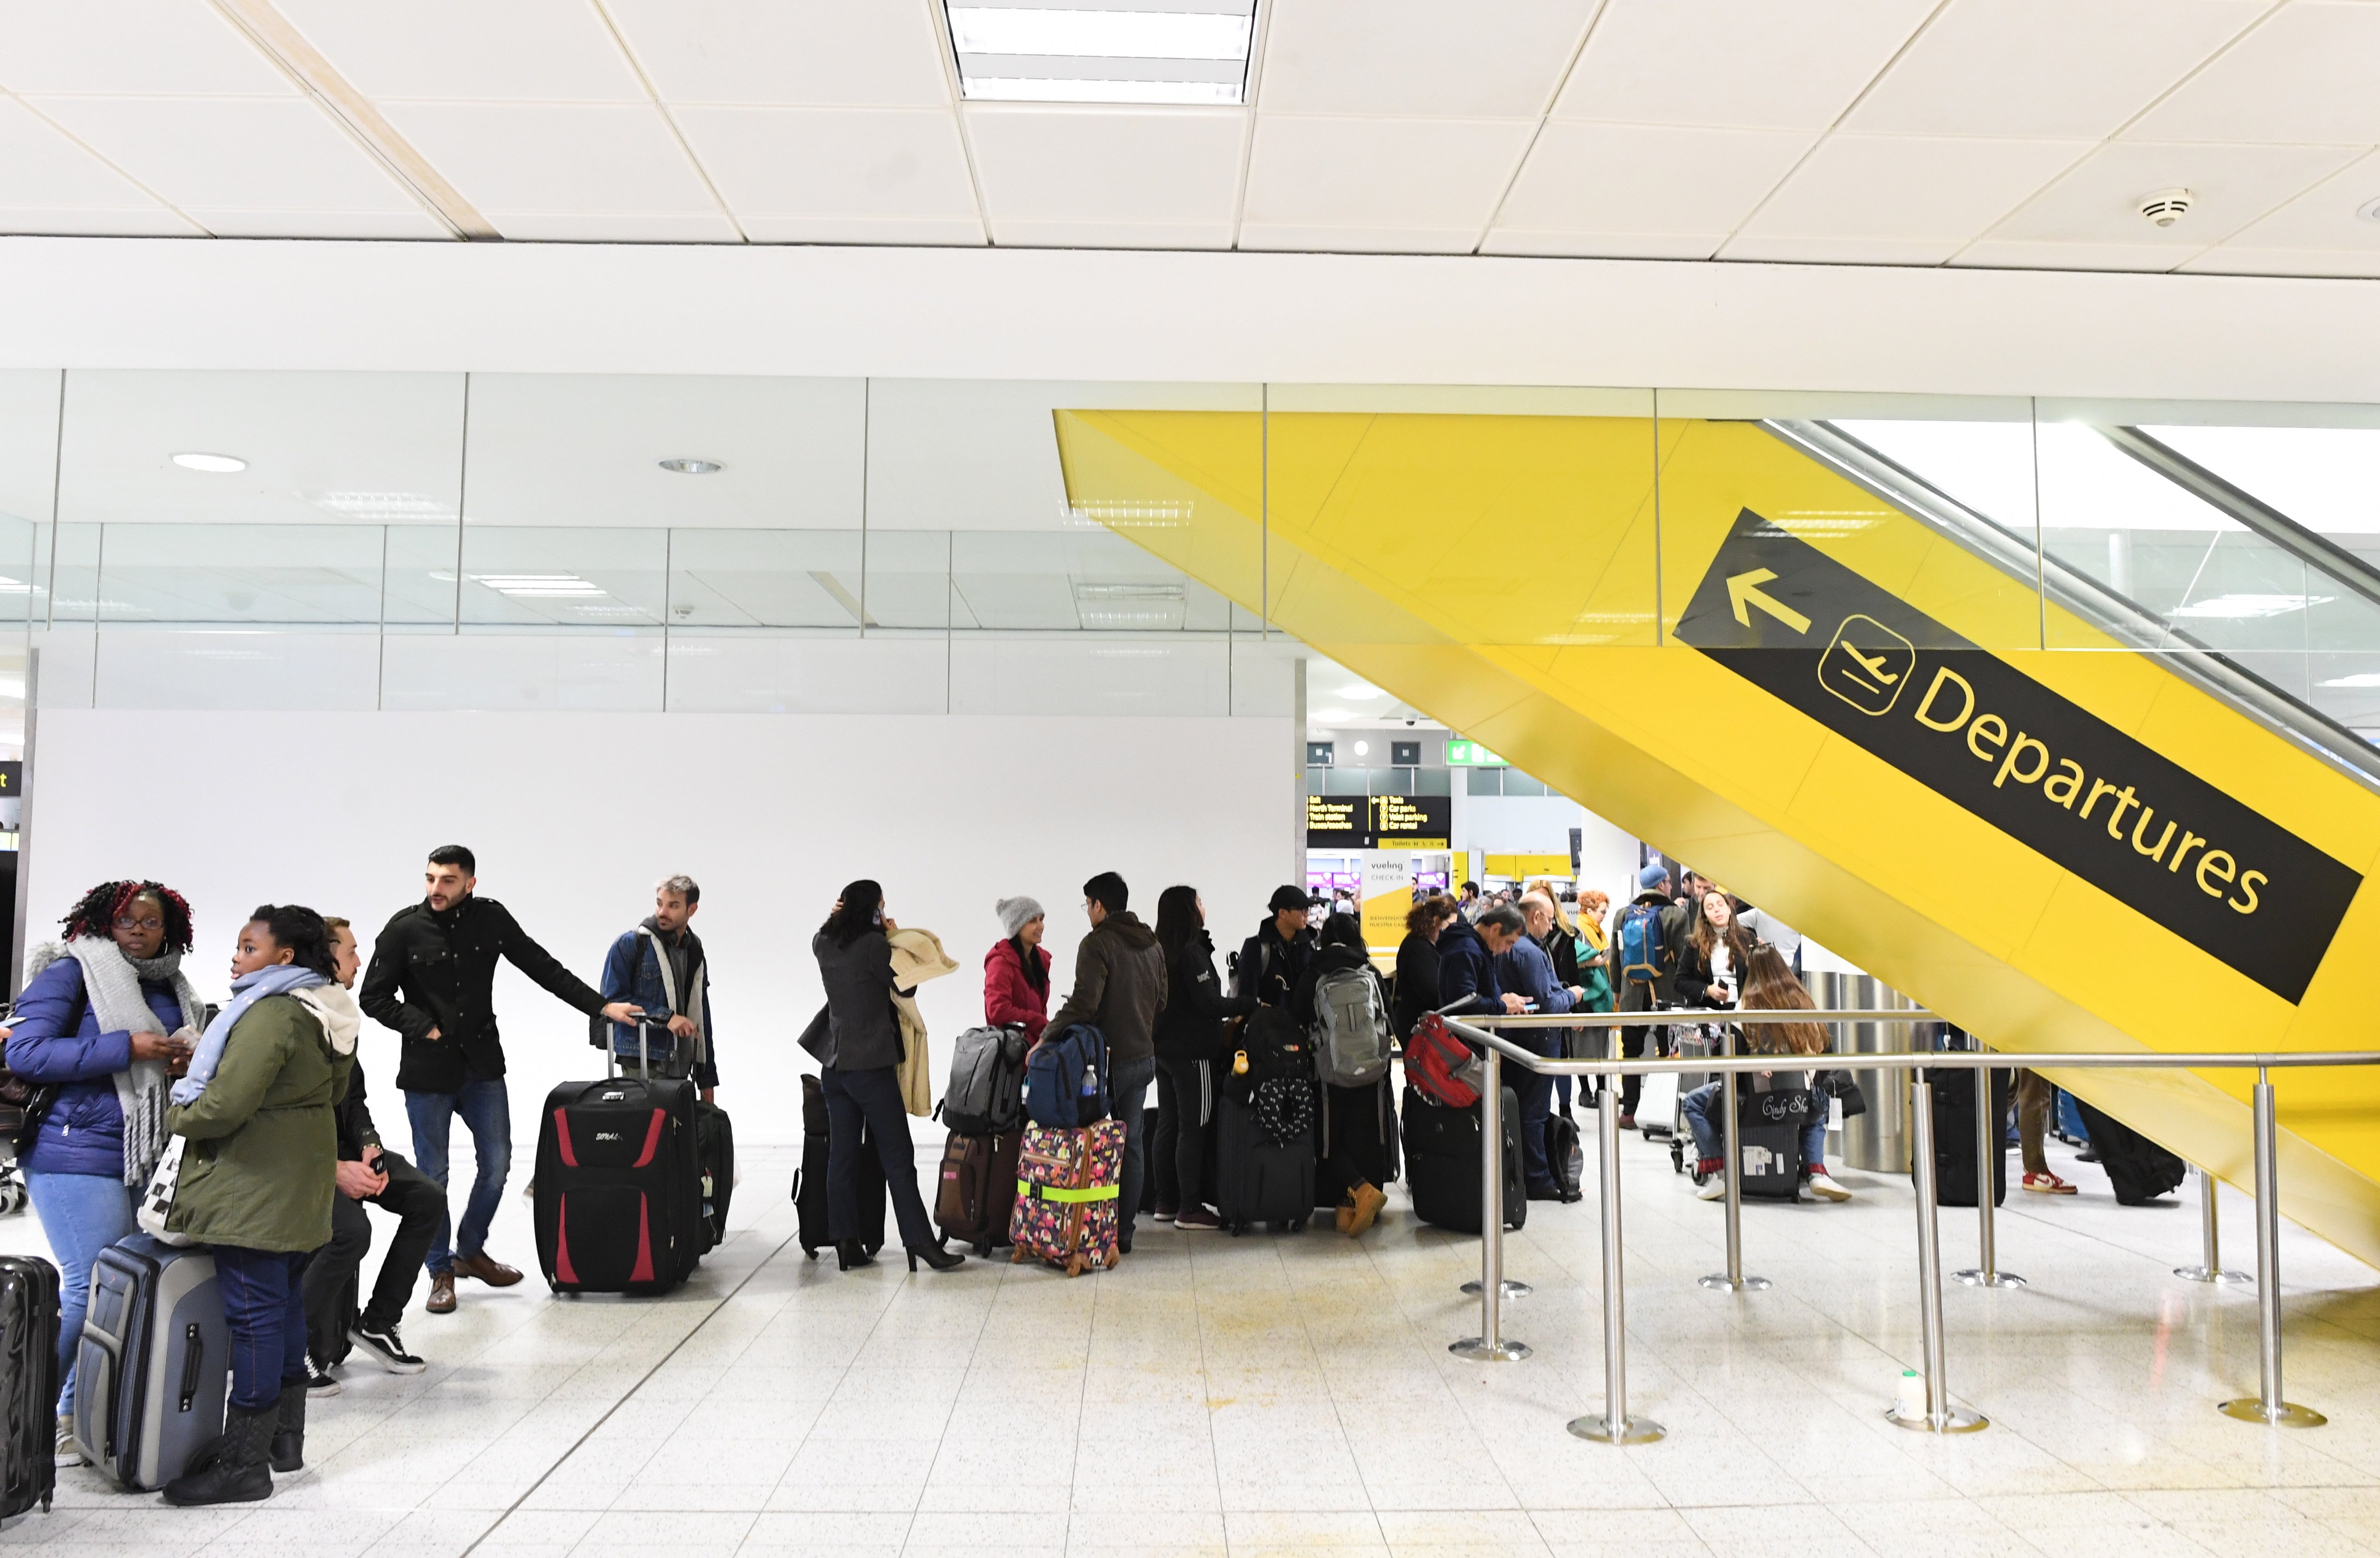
259	1154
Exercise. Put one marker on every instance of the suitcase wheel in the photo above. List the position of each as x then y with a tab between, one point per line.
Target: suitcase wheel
1075	1263
1115	1259
1017	1256
1677	1157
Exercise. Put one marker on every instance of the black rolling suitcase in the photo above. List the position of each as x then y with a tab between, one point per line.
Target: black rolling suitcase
1769	1140
812	1210
2138	1169
29	1387
1257	1179
714	1152
1954	1135
1442	1163
620	1203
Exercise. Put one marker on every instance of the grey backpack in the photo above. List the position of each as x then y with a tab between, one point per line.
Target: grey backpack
986	1090
1351	1028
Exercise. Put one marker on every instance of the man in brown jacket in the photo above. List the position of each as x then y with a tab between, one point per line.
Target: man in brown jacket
1119	988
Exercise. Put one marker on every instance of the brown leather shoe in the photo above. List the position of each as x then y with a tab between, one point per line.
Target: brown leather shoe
487	1268
441	1292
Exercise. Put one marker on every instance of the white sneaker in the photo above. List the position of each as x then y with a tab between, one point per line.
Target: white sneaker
1714	1189
1822	1185
68	1452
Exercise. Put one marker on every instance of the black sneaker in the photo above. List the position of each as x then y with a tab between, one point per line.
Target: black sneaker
319	1382
386	1348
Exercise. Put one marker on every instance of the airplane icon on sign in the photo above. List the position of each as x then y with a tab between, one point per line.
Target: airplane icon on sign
1875	667
1865	665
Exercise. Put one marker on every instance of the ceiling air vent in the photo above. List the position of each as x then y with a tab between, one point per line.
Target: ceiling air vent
2167	206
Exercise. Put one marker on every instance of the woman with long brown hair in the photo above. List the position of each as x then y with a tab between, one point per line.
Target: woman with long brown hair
1768	986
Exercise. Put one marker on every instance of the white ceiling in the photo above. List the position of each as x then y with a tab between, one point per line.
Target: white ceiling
1962	132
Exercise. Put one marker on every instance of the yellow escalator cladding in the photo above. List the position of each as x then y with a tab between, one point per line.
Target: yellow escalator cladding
1845	716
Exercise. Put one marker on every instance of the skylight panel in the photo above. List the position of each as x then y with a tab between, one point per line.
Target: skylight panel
1192	52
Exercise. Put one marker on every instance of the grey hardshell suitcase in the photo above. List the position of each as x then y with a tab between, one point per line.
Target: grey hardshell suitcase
154	1364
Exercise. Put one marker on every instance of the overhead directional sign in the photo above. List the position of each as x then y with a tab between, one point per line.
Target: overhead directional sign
2048	773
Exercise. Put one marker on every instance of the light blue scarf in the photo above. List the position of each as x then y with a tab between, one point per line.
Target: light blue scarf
278	978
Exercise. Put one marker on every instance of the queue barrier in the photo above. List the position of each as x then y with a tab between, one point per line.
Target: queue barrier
1614	1425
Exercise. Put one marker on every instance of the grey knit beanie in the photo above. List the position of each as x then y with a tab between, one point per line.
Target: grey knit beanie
1015	914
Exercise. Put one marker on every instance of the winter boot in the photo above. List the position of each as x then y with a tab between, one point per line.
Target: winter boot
235	1473
289	1429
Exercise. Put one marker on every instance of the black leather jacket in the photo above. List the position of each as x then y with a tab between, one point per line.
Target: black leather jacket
437	968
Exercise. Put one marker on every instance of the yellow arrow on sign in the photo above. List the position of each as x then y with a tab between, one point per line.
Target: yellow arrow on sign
1743	591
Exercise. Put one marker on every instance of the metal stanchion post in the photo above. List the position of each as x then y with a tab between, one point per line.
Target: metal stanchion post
1490	1344
1613	1425
1990	1154
1732	1279
2270	1406
2210	1267
1940	1415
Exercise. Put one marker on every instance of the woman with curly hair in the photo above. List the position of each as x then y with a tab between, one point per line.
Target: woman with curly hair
105	1020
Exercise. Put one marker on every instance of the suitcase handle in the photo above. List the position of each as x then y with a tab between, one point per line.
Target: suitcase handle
194	1348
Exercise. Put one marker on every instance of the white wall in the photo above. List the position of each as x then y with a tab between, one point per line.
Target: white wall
575	816
1085	314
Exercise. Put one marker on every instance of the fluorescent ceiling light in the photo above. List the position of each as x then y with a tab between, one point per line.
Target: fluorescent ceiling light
2242	608
384	505
1359	690
540	586
691	467
222	465
998	30
2361	679
1192	52
1328	716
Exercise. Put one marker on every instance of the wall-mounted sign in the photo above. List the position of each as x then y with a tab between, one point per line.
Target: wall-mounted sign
1412	821
1470	754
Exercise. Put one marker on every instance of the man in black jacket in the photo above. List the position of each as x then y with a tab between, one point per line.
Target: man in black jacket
432	978
1669	926
1271	960
366	1172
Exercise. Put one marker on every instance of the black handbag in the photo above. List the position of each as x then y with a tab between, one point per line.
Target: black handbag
1839	1085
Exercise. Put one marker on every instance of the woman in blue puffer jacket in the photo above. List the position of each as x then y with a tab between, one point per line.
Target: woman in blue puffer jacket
108	1019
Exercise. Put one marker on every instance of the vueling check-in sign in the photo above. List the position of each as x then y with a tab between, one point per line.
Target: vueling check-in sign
2044	770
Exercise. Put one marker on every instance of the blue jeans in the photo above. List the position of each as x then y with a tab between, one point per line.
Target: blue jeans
81	1215
1128	1085
487	1112
264	1307
1709	1142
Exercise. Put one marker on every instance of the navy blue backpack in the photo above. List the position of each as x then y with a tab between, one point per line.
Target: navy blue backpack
1066	1078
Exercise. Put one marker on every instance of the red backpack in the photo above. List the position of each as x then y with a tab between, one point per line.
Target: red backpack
1441	1066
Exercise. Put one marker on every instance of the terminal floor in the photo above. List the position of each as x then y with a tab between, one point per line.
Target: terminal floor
1294	1395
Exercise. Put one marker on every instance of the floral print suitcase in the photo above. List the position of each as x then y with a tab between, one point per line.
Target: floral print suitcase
1066	1187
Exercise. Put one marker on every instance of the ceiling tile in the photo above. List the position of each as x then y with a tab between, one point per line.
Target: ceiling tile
2311	73
516	50
1923	195
1787	250
1405	174
251	154
1177	166
821	53
765	228
2029	254
1749	63
2324	217
613	226
1415	57
2243	259
1304	239
1112	235
130	46
1602	246
1647	178
903	163
2045	68
2098	202
321	224
41	167
556	157
148	221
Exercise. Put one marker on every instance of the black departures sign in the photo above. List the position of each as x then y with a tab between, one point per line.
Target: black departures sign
1970	727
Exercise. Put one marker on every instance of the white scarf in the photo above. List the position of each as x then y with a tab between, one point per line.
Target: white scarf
111	983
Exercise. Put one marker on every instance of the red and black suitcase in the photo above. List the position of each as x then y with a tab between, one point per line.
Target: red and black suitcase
619	1187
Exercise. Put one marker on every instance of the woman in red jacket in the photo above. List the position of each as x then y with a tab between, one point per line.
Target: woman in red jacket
1016	971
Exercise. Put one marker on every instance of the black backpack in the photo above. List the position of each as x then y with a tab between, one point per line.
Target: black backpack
1272	1046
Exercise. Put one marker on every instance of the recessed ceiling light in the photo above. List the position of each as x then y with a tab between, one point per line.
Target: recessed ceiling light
1103	51
692	467
219	464
2369	211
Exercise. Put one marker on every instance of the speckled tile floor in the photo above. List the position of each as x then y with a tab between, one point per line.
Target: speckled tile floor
1294	1395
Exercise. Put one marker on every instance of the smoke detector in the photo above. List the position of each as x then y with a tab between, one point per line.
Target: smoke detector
2167	206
